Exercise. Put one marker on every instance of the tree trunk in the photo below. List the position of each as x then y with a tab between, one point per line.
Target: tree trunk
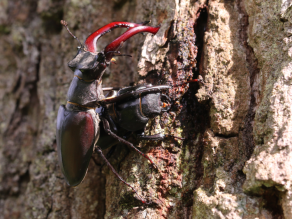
235	158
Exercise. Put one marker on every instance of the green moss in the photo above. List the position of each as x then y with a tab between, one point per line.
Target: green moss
174	191
4	29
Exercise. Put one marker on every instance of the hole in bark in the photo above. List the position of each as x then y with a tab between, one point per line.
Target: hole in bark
231	135
24	180
152	77
17	84
200	29
169	34
253	69
272	197
187	198
196	119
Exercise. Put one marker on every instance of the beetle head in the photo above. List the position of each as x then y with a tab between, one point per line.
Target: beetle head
88	59
85	60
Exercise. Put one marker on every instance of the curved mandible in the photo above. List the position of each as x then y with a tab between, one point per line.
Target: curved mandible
90	42
114	45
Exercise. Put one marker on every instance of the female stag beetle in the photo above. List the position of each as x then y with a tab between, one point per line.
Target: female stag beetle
129	109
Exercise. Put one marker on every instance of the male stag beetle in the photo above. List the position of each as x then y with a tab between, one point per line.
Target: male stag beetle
77	122
78	130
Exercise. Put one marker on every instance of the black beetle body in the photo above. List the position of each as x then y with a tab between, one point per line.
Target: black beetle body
132	112
75	128
77	122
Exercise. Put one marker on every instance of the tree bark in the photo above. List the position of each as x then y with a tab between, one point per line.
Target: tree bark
235	159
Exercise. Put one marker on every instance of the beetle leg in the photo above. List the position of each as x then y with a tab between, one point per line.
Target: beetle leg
112	124
157	137
172	136
110	88
136	93
118	53
97	149
109	154
108	130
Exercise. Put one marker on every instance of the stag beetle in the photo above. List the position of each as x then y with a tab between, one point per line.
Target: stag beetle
129	109
77	122
78	129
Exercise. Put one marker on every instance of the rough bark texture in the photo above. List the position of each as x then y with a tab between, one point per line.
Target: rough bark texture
235	161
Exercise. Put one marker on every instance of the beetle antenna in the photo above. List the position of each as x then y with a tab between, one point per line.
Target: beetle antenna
124	55
172	136
119	53
145	22
65	24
